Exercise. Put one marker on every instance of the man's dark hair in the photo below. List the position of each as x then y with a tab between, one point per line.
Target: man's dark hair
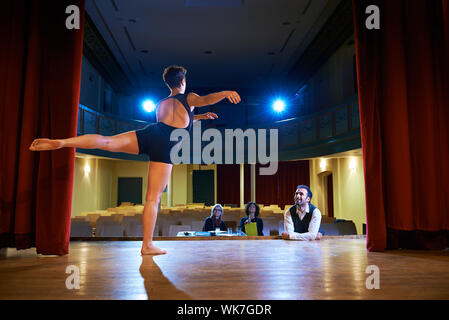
173	76
309	192
257	209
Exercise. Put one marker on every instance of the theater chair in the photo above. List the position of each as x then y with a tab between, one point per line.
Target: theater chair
134	228
174	229
79	228
108	228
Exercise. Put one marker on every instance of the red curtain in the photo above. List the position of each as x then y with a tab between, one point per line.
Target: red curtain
280	188
270	189
40	73
228	184
403	81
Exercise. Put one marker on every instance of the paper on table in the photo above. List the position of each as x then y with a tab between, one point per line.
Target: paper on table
251	229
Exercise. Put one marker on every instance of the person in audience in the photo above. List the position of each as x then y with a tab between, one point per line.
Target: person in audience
215	219
252	211
173	112
302	220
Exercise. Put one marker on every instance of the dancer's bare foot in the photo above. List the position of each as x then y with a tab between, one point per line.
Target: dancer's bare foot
46	144
152	250
319	236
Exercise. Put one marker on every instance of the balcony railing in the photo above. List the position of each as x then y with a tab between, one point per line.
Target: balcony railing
94	122
334	130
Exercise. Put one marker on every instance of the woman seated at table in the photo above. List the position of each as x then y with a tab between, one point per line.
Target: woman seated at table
252	211
215	221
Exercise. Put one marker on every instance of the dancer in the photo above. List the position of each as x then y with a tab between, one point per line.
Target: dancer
173	112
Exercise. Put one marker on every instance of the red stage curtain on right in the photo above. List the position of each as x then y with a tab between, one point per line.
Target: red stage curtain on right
403	81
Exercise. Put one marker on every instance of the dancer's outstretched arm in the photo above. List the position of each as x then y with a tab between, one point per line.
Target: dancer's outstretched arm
200	101
125	142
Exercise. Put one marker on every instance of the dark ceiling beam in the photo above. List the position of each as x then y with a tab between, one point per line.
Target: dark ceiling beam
338	28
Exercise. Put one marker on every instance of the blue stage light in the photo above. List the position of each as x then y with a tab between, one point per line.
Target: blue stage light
148	105
279	105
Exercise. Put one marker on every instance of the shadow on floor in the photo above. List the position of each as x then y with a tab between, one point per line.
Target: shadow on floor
157	286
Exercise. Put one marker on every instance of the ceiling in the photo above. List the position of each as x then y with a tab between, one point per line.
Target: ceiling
235	44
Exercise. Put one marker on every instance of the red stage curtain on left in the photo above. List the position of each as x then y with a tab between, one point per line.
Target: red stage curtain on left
403	81
40	74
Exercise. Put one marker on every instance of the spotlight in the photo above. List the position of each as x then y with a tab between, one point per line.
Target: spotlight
279	105
352	164
323	164
148	105
86	169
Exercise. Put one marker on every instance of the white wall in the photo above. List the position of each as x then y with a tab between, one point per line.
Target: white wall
94	190
348	186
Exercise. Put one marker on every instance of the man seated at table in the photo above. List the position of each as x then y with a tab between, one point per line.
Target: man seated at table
215	221
302	221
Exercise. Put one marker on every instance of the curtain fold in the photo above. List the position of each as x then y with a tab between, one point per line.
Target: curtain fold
40	67
403	82
228	184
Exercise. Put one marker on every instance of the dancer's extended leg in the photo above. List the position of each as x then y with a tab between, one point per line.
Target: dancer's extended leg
124	142
158	175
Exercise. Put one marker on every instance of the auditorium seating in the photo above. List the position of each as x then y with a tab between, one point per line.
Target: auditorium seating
271	226
118	217
174	229
79	228
92	217
197	225
134	228
281	226
108	228
231	224
326	219
131	225
266	213
128	219
346	227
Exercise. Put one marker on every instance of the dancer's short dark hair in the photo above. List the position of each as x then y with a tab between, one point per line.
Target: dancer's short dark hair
257	208
173	76
303	186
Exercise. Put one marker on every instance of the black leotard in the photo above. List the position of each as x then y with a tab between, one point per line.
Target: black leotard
154	139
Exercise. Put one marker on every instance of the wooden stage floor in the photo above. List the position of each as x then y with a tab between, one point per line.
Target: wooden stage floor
333	268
